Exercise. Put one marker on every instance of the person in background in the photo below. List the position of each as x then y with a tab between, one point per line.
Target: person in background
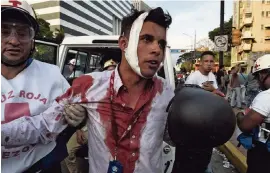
229	89
204	76
243	80
226	79
235	88
207	80
109	65
256	122
74	67
252	87
220	78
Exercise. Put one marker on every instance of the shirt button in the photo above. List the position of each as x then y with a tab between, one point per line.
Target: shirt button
133	136
133	154
123	104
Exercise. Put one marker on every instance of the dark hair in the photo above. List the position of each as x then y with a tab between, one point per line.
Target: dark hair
232	68
156	15
243	70
207	53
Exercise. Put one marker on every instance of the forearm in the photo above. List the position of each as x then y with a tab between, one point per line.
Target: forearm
42	128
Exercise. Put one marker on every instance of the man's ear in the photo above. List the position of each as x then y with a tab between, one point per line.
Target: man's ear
123	42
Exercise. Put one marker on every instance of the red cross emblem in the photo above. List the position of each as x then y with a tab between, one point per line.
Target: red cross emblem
15	3
257	65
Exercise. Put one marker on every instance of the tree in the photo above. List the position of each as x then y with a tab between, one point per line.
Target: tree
189	56
44	29
187	65
227	31
59	35
205	43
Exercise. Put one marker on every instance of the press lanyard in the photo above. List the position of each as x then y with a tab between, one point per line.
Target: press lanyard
114	125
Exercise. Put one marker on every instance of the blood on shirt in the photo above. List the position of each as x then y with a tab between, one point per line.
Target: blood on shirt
128	151
79	87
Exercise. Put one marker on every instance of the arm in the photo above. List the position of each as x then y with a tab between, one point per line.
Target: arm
250	121
190	80
260	109
42	128
45	127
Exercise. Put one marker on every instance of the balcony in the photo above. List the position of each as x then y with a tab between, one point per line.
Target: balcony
267	26
247	47
267	34
248	10
247	22
247	35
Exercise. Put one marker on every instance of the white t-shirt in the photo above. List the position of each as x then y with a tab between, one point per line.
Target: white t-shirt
198	78
31	92
261	104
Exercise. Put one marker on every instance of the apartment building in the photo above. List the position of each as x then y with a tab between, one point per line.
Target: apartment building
84	17
252	18
140	5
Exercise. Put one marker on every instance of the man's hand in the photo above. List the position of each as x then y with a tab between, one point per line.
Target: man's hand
74	114
208	87
219	93
80	137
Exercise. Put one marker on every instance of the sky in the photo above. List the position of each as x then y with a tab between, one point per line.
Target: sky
188	16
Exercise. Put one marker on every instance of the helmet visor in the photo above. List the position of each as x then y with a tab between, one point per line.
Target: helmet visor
22	32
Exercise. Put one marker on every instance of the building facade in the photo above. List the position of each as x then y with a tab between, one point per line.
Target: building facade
140	5
252	18
83	17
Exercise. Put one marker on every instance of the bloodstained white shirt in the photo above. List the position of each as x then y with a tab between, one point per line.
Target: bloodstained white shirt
31	92
140	151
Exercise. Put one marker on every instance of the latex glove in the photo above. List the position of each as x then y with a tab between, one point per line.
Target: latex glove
74	114
80	137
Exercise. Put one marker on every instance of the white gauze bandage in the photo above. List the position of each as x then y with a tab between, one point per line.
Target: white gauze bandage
131	51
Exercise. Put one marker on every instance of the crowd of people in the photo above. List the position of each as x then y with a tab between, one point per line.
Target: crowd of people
121	112
239	87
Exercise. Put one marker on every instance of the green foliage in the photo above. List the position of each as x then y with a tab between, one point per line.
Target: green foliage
59	35
189	56
44	29
44	53
188	65
46	33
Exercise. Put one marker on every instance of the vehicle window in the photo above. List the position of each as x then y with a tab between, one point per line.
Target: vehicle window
78	63
74	64
45	53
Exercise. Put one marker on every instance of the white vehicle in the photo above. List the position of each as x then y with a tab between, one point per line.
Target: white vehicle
88	51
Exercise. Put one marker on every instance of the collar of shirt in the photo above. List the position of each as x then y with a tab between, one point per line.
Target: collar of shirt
119	86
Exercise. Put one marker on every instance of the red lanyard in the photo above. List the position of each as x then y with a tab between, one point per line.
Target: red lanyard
114	125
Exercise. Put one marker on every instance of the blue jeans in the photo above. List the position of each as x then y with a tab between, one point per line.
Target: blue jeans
236	96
